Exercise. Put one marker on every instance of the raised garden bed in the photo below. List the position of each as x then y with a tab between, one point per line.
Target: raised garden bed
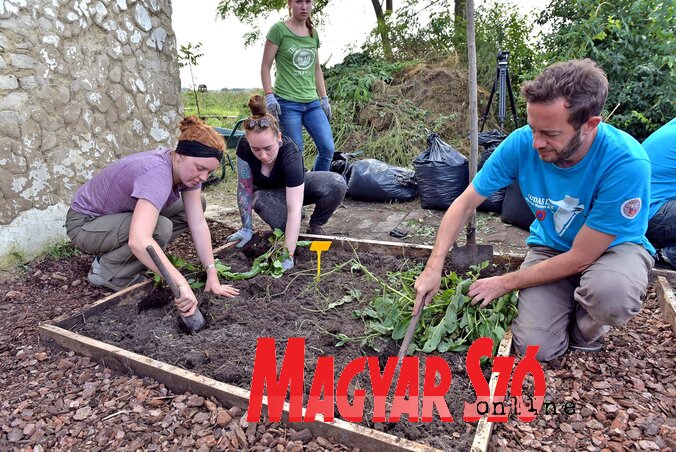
290	307
179	379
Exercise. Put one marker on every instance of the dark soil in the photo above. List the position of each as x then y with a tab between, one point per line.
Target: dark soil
291	306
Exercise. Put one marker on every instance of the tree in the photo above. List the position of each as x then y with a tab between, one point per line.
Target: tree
188	56
634	43
249	12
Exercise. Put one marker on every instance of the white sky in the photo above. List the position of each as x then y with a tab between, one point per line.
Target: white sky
227	64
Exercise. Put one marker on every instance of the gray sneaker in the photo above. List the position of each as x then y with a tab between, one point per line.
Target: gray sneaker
95	278
589	348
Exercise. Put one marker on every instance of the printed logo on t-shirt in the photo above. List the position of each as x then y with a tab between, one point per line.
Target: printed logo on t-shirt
303	58
630	208
564	210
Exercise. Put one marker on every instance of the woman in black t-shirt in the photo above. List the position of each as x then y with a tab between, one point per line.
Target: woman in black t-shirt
273	182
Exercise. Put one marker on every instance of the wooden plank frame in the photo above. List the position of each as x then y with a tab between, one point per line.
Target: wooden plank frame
180	380
667	301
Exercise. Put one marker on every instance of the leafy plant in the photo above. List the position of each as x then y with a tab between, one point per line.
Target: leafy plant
634	43
448	323
188	269
269	263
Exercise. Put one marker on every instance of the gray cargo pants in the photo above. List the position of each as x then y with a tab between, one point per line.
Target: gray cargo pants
582	307
107	237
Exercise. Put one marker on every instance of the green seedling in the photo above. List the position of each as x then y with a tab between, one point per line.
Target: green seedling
269	263
448	323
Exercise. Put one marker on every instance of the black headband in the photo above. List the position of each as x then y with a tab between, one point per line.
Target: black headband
196	149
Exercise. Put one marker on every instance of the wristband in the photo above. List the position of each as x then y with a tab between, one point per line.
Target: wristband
210	266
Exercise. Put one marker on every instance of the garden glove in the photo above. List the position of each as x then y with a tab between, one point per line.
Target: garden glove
326	106
272	105
287	264
243	236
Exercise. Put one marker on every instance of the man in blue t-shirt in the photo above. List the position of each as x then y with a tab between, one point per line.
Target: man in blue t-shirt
588	185
661	148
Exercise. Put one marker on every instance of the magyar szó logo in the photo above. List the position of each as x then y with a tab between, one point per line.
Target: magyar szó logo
326	393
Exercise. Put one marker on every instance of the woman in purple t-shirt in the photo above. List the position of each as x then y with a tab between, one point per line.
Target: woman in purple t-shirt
149	198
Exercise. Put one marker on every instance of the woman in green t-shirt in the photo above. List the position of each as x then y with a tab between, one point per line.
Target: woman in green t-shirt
299	97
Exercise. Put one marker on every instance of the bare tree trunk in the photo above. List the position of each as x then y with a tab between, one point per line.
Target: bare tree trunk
194	90
473	113
382	28
388	6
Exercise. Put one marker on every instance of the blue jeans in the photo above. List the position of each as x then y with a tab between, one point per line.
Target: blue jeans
312	117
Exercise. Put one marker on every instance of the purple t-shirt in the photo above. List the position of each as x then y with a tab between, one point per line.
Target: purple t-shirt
116	188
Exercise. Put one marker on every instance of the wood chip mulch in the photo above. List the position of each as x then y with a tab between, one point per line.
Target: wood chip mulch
51	399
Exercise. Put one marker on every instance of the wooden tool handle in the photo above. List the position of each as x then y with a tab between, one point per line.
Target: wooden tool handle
409	332
163	271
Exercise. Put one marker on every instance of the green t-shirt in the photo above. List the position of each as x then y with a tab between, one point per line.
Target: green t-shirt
295	63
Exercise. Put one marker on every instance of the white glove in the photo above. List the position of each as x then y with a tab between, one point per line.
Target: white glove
272	105
243	236
326	106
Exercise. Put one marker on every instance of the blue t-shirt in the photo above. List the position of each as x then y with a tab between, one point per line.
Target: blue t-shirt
608	190
661	149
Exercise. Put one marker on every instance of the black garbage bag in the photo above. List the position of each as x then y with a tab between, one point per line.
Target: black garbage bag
442	174
341	163
490	140
515	210
374	181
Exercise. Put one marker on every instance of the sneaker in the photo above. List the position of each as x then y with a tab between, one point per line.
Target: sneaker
95	278
589	348
315	230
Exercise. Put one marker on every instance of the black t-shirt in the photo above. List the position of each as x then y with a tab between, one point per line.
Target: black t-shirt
287	171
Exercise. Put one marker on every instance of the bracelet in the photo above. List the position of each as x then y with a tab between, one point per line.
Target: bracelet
269	93
210	266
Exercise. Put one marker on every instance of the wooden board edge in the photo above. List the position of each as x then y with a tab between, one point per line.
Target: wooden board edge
484	429
667	301
69	319
180	380
669	275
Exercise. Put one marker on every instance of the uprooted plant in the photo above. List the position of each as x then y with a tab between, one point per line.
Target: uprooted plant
268	263
449	323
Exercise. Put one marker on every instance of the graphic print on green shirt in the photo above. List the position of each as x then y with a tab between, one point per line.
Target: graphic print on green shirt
294	63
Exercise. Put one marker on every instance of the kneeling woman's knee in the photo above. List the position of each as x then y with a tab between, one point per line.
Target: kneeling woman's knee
337	184
163	231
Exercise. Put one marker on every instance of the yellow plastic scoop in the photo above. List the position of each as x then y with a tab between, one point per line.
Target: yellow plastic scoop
319	247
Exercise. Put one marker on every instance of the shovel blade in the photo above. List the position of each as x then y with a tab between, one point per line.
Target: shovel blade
463	257
195	322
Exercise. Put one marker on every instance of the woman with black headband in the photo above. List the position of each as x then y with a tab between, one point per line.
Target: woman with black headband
273	182
149	198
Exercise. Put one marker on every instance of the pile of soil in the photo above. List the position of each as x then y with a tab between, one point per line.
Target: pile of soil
431	95
291	306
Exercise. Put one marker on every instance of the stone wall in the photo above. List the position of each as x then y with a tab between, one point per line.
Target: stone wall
82	83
